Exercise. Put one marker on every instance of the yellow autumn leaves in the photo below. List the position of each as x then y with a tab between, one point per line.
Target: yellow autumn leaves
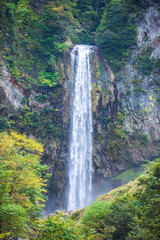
21	182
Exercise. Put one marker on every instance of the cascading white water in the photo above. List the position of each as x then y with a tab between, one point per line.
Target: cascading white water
80	162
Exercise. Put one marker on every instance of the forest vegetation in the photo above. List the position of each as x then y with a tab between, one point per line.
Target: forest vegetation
37	39
34	41
128	212
35	36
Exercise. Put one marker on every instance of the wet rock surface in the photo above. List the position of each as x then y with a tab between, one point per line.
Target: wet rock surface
125	106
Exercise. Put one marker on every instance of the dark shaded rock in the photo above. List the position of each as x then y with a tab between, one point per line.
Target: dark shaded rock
38	4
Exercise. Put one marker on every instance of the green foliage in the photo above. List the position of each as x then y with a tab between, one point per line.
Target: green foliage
96	217
48	79
38	40
157	63
130	212
4	124
88	13
146	224
41	98
116	33
127	175
45	123
122	214
117	135
55	228
144	63
133	6
13	218
22	184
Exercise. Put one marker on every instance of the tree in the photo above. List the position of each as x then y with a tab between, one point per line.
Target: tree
95	220
21	185
56	228
116	33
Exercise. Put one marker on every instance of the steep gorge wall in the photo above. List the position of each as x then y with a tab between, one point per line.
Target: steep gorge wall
127	126
103	96
138	87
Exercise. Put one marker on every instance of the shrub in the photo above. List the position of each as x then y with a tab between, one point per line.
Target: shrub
55	228
96	217
4	124
48	79
144	63
122	213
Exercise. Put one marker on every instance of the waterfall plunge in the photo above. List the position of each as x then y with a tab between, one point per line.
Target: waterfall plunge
80	162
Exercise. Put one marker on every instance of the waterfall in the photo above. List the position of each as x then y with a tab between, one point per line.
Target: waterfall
80	149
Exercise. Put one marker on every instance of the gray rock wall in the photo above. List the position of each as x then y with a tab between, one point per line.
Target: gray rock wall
11	95
126	110
138	92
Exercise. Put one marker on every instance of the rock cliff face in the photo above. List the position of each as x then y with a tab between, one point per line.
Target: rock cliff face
10	94
127	127
138	89
103	96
